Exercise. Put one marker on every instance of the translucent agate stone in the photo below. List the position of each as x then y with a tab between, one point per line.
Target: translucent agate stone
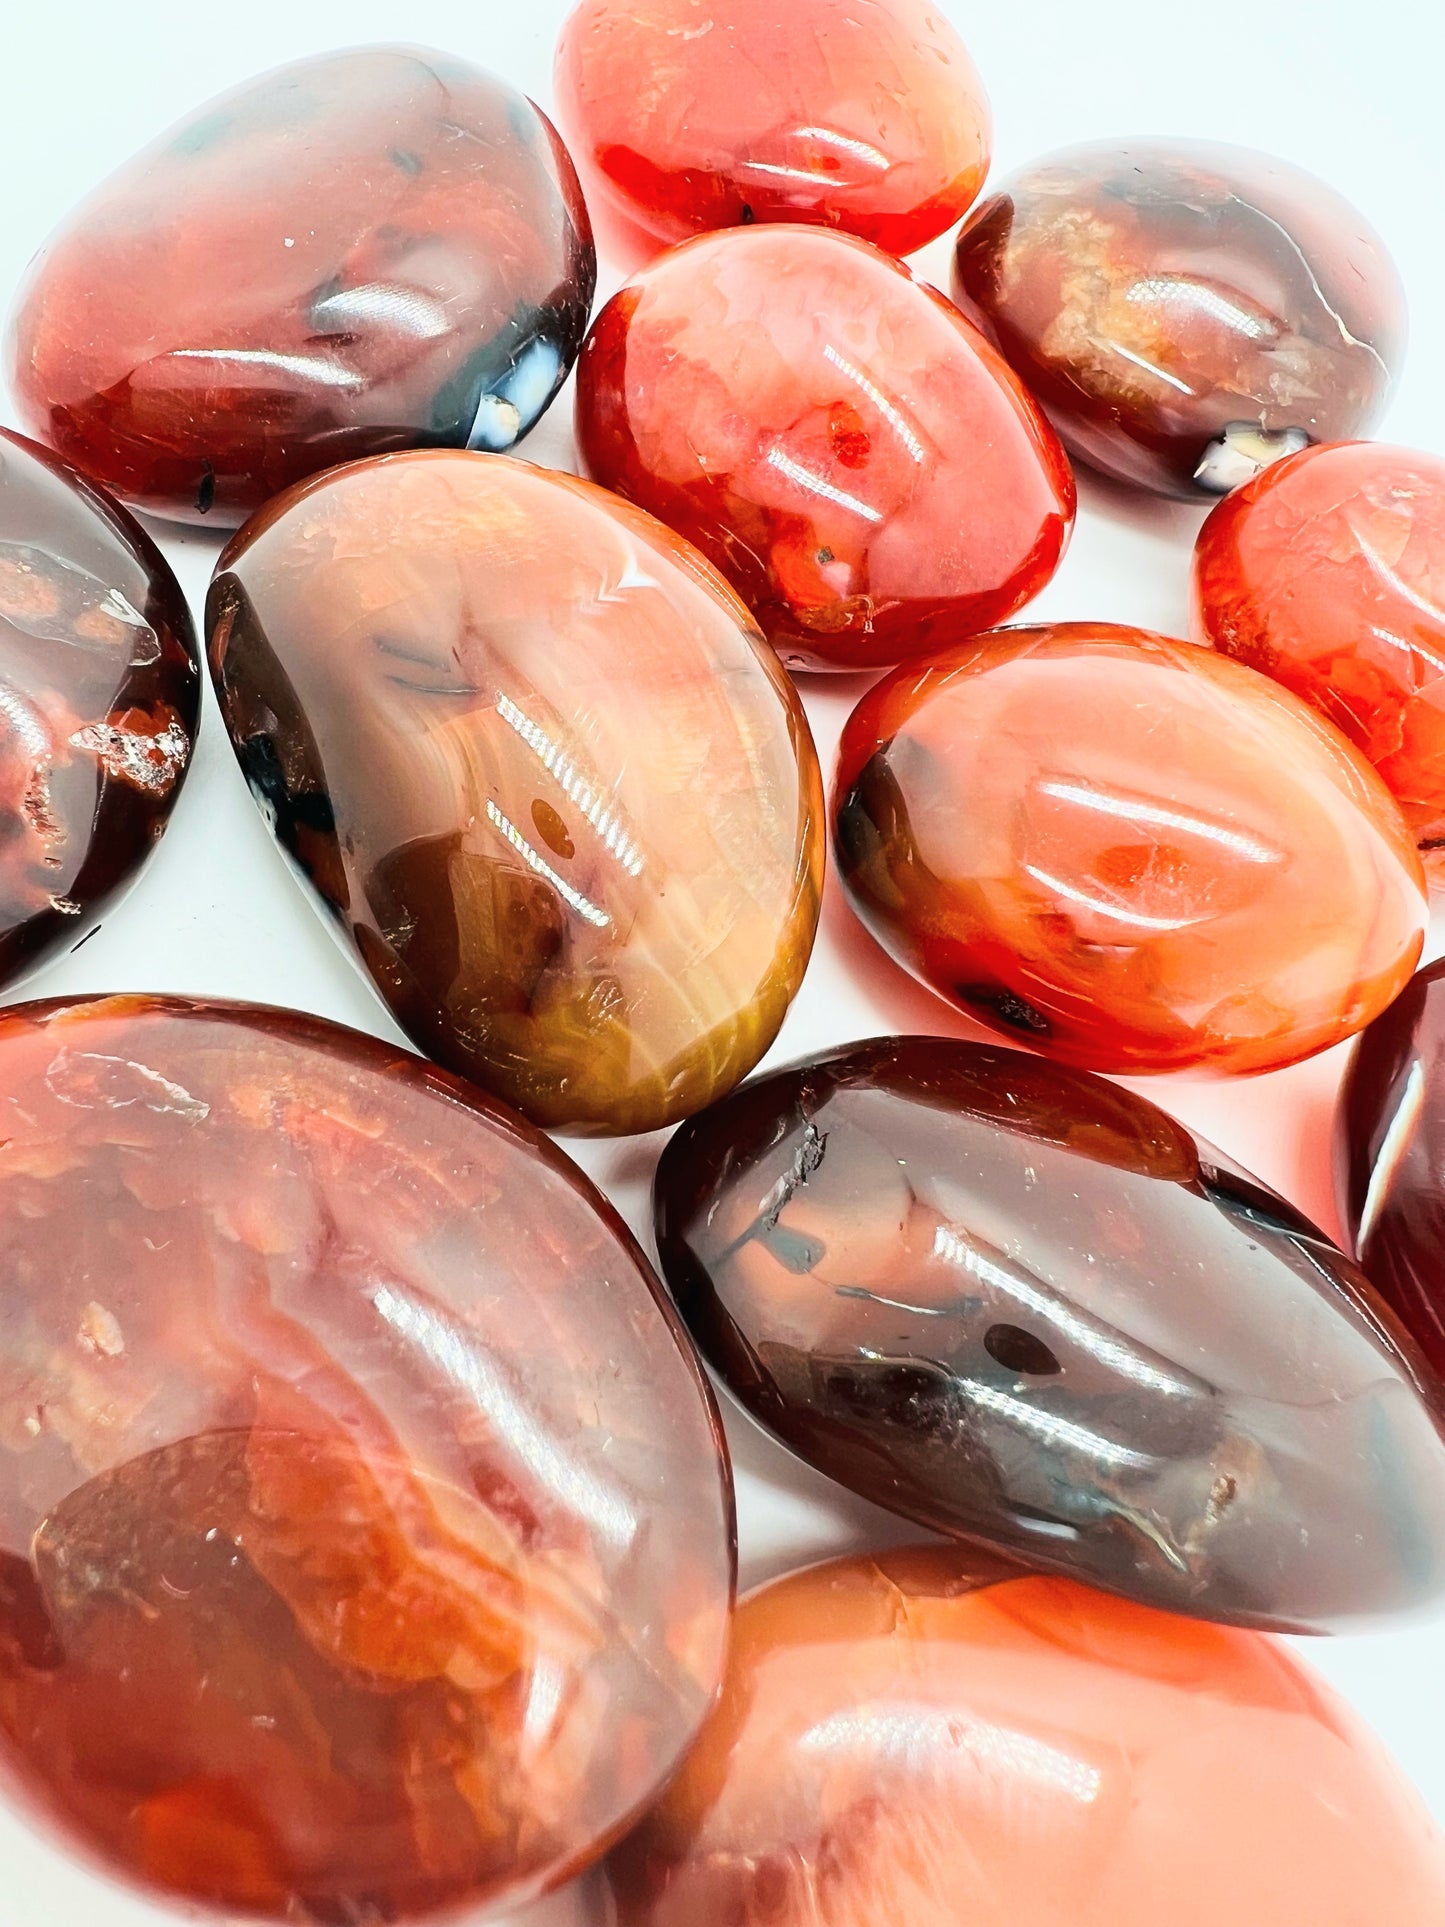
1023	1306
918	1738
1129	852
1327	572
100	696
833	435
537	762
365	1537
691	114
369	250
1390	1155
1185	311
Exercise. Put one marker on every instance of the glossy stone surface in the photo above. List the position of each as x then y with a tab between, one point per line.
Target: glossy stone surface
967	1284
1327	572
365	1539
1128	852
692	114
906	1741
1155	294
1390	1147
542	768
100	696
831	433
370	250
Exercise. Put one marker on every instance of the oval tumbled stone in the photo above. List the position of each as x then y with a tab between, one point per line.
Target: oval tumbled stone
833	435
366	1532
1132	853
376	249
539	761
1021	1305
912	1739
100	695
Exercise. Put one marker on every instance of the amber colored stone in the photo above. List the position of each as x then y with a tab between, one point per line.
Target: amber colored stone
694	114
1129	852
365	1535
100	695
1323	572
536	759
967	1283
372	250
910	1740
1390	1147
1185	311
833	435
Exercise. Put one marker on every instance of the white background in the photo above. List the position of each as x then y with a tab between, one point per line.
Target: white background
1351	91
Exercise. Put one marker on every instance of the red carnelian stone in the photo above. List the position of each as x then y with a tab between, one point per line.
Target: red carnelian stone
1128	851
1390	1152
1184	309
534	759
365	1536
372	250
917	1739
694	114
100	699
848	450
1327	571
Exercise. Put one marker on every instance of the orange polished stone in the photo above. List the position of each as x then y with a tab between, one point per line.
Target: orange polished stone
365	1536
832	434
537	761
692	114
1327	572
1129	852
919	1740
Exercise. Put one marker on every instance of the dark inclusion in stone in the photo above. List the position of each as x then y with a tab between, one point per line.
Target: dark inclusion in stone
372	250
99	702
1020	1305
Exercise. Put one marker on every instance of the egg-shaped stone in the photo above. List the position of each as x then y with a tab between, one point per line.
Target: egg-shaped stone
365	1530
537	762
1390	1153
833	435
913	1740
1021	1305
1322	573
100	696
1185	311
694	114
377	249
1129	852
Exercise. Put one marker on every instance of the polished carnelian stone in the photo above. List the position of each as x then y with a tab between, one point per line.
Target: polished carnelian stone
852	455
1183	310
537	761
694	114
965	1282
918	1740
1129	852
100	696
1390	1147
365	1535
1327	571
370	250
